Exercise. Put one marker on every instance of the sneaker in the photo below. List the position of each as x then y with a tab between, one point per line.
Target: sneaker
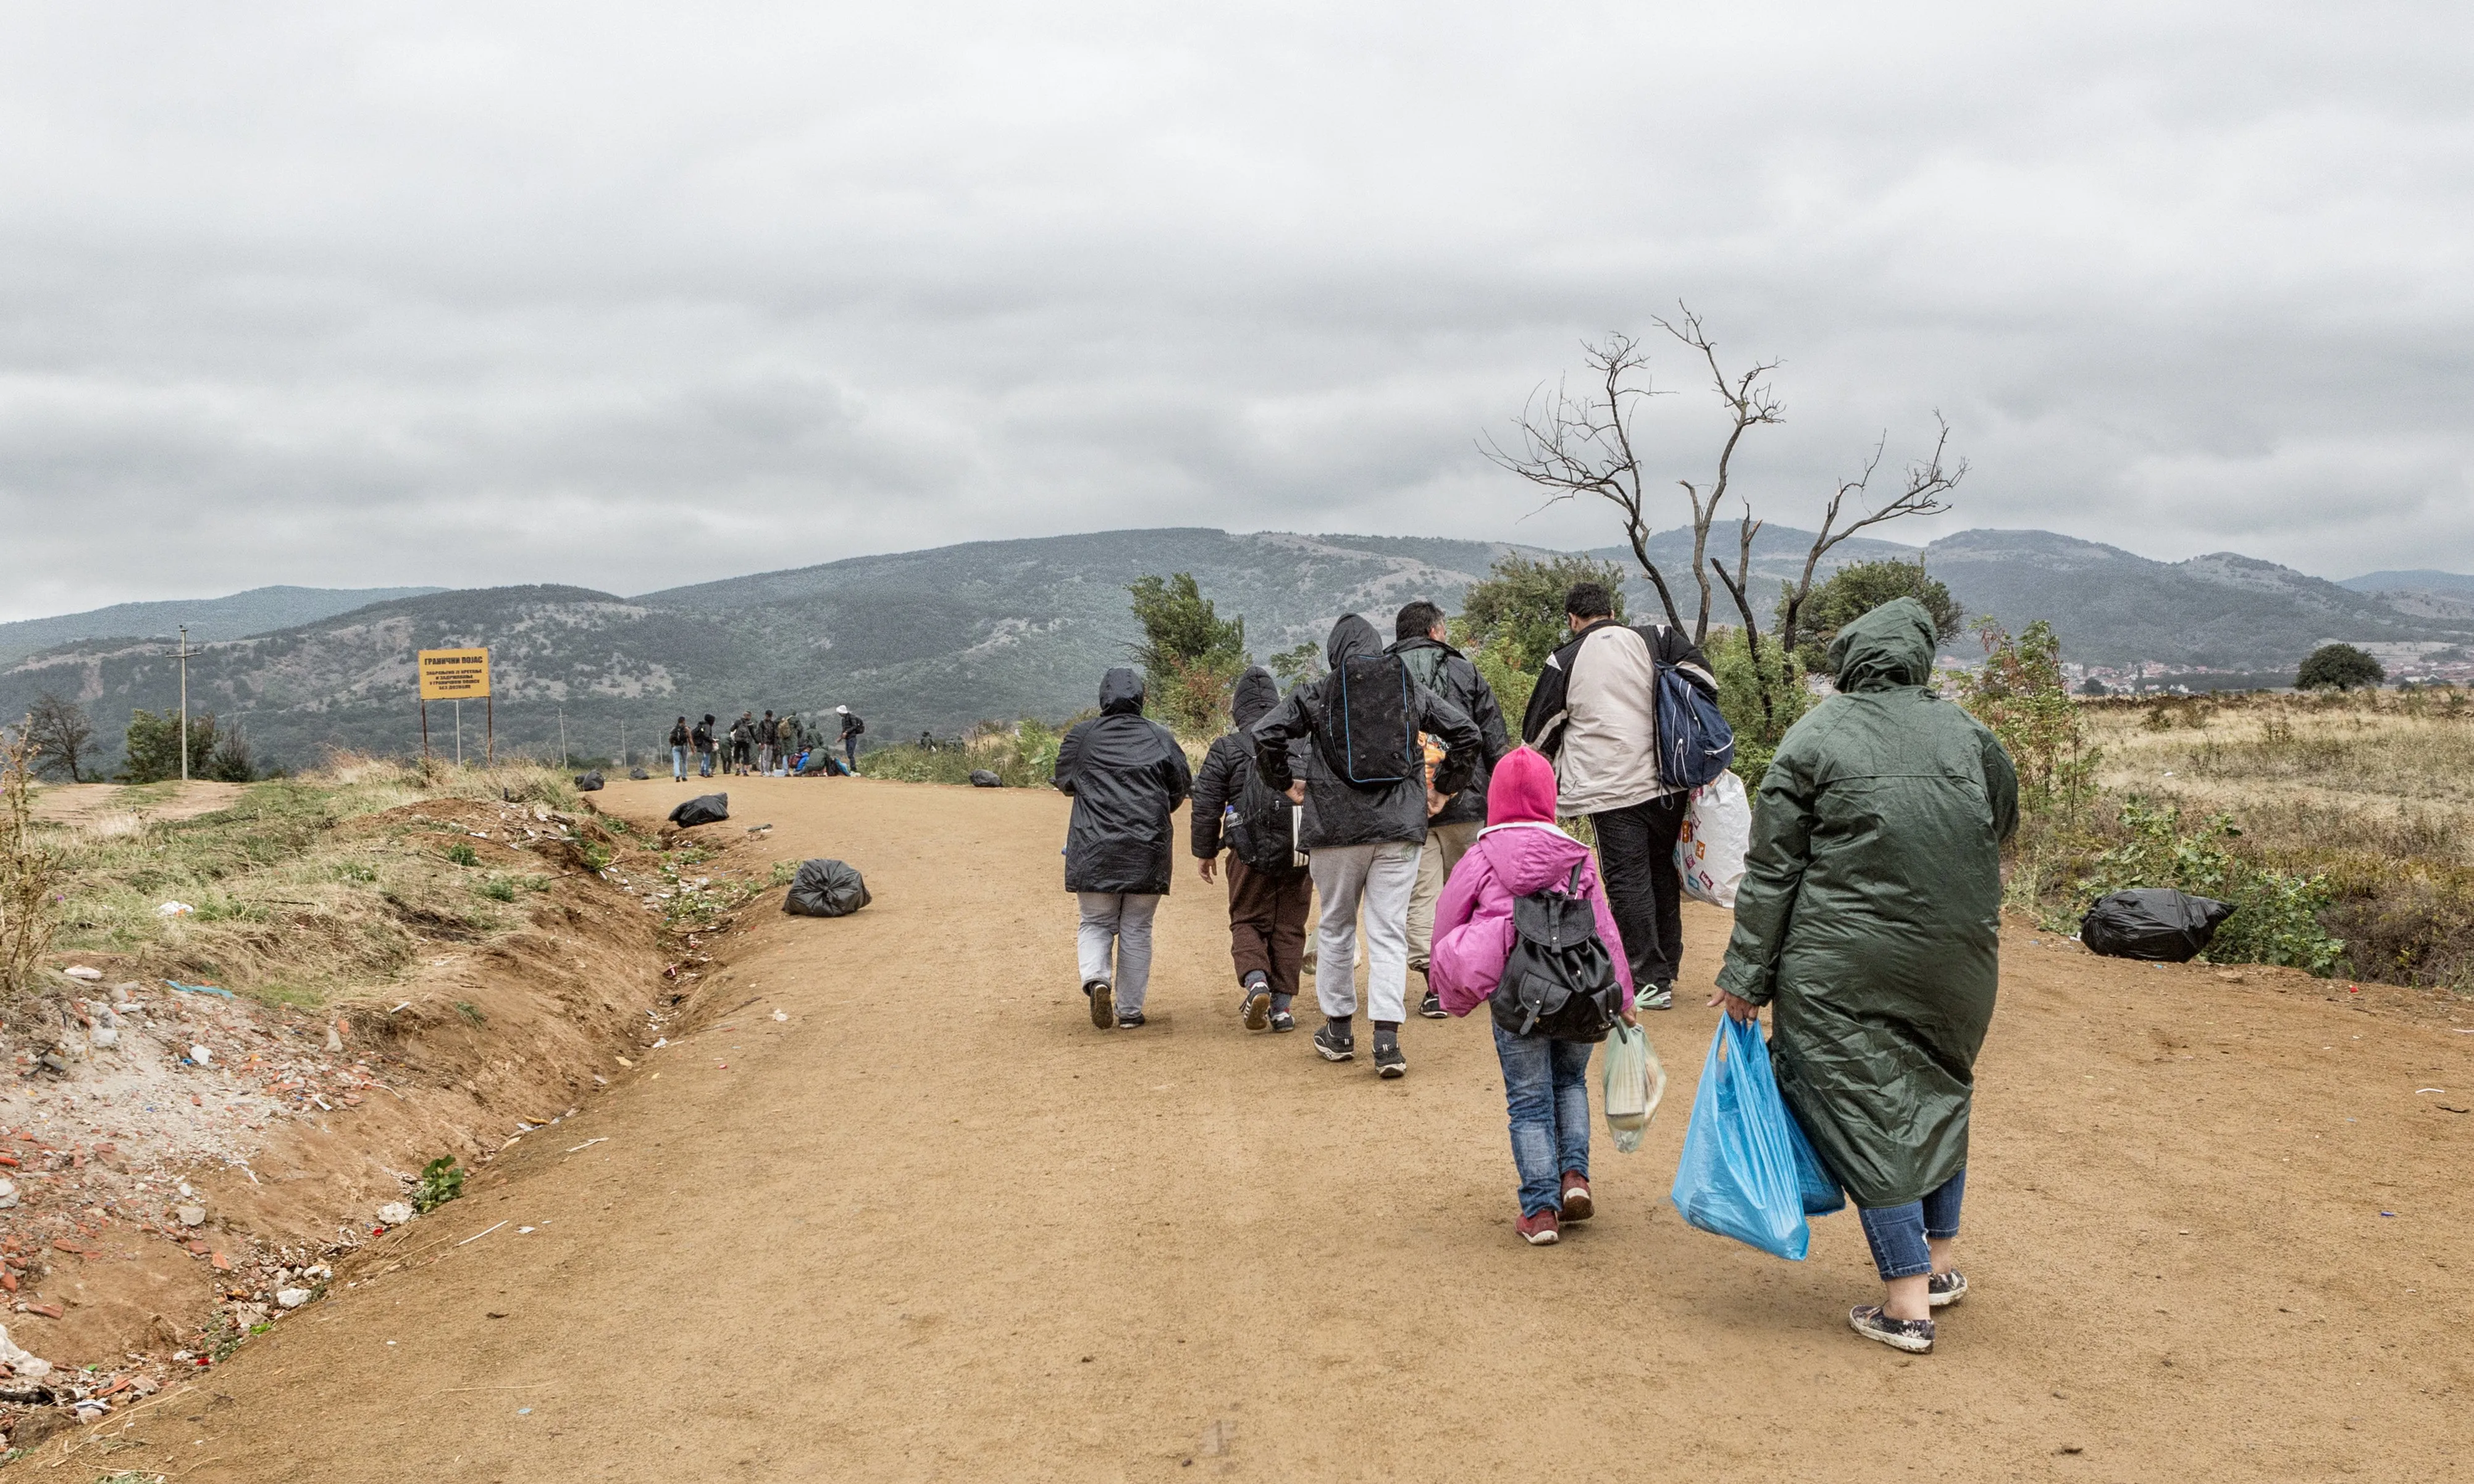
1334	1043
1257	1006
1388	1063
1432	1007
1130	1020
1658	997
1915	1336
1539	1231
1103	1003
1944	1289
1577	1205
1282	1020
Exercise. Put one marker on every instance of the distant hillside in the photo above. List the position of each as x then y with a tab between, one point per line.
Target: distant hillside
2420	580
2221	610
254	612
941	639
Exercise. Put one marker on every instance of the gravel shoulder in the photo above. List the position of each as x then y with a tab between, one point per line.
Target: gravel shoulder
887	1207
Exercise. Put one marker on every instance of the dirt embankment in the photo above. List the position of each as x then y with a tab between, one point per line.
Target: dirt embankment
184	1166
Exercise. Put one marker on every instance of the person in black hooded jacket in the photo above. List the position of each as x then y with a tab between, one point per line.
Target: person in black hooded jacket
1363	842
1126	777
1453	828
1268	893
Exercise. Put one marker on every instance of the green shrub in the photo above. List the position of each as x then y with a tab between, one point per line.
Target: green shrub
442	1181
463	854
2276	913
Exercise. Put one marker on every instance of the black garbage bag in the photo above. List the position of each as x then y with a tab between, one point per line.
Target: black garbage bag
587	783
703	809
826	889
981	778
2156	924
639	774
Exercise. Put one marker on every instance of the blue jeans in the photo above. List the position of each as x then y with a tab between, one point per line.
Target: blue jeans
1546	1089
678	764
1897	1233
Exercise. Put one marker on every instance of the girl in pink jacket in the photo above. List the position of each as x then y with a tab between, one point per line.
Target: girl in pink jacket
1545	1082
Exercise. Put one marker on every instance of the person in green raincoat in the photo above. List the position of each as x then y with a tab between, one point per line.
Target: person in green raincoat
1868	921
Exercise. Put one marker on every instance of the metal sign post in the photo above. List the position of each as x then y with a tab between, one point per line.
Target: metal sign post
452	675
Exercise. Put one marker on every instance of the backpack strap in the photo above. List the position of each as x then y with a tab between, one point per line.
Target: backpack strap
1574	889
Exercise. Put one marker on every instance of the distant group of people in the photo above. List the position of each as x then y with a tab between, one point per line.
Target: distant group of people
1391	790
765	747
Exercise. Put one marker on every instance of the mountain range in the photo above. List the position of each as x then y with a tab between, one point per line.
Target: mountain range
940	639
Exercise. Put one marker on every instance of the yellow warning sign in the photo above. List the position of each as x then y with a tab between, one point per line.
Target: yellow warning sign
454	675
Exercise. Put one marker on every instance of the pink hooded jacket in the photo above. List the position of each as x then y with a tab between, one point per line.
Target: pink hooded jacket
1520	851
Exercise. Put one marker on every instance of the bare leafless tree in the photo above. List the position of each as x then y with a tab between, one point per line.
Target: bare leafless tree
1751	403
58	731
1927	481
1737	585
1584	445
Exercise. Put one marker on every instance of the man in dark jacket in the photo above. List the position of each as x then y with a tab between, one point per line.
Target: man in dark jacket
679	736
1869	917
1453	827
769	741
702	737
1126	777
852	728
1363	839
1269	892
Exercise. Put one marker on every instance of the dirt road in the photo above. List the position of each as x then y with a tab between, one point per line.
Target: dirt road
932	1225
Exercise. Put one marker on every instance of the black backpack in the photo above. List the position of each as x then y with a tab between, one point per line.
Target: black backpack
1266	835
1558	982
1368	737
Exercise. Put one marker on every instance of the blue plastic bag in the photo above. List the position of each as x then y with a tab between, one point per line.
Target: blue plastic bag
1738	1176
1814	1182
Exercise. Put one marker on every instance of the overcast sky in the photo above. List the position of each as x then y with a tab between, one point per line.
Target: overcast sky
632	296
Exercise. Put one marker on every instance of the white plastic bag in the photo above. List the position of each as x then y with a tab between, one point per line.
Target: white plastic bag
1631	1085
1717	831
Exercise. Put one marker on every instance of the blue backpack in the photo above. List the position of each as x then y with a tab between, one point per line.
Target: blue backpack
1694	742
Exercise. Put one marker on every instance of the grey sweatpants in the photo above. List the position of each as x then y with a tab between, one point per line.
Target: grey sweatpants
1383	877
1123	922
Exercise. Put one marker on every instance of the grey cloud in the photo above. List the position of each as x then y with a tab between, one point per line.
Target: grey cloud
628	300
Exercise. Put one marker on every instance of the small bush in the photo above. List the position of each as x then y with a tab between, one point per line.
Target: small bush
2276	913
442	1181
499	888
463	854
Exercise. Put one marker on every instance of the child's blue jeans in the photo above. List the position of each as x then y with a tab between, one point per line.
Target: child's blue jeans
1897	1233
1547	1090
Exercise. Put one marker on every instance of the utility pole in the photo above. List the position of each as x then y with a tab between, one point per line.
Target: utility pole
562	737
184	703
622	742
459	734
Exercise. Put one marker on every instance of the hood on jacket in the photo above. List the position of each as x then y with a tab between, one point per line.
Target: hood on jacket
1890	647
1351	637
1523	789
1120	694
1257	693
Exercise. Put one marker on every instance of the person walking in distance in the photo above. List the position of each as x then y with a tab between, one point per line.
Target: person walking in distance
1269	892
852	728
1594	713
680	736
1126	777
1869	920
742	742
702	738
1367	798
1453	826
768	742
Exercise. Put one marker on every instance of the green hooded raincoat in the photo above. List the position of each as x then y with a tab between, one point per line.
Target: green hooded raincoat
1870	910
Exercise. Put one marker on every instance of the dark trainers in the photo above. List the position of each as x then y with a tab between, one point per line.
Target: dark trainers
1577	1205
1432	1007
1944	1289
1915	1336
1130	1020
1658	997
1282	1020
1257	1006
1103	1003
1334	1043
1539	1231
1388	1060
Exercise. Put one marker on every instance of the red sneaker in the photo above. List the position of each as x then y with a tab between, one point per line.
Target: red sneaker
1577	1205
1539	1231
